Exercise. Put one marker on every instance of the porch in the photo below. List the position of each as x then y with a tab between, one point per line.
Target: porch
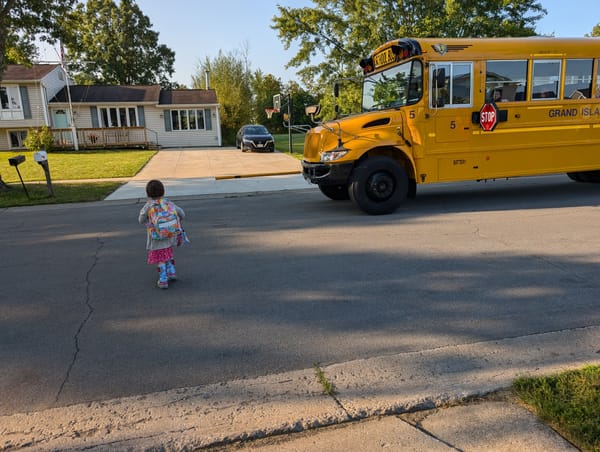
104	138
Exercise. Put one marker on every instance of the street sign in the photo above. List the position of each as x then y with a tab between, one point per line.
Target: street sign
488	117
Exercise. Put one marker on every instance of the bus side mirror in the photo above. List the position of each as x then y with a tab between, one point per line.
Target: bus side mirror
336	89
439	75
312	110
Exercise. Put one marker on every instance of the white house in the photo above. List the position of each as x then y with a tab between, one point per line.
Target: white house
24	95
104	116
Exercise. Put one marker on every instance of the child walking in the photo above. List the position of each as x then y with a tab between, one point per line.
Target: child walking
160	243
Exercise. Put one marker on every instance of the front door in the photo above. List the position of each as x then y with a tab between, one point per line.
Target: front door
60	119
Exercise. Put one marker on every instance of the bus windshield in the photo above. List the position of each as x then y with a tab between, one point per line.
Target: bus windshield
394	87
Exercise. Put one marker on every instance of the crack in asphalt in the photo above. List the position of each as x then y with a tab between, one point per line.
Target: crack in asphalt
90	311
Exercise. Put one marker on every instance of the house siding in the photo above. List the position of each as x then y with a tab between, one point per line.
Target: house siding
183	138
38	93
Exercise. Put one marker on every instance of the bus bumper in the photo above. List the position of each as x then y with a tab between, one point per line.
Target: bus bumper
324	174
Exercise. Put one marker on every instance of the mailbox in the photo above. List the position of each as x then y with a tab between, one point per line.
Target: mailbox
16	160
41	156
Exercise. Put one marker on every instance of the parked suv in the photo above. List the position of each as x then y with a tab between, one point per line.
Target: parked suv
254	137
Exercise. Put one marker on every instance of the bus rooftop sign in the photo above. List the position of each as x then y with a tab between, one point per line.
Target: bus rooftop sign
488	117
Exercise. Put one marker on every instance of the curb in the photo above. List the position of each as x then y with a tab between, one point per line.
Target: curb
224	413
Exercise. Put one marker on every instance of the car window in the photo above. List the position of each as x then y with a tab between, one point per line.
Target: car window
257	130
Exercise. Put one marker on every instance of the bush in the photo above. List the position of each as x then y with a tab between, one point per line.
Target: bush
39	138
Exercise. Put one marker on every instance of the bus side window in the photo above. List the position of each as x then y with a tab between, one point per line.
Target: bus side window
450	84
506	81
546	79
598	79
578	79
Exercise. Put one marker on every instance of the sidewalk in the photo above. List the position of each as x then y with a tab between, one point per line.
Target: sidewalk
187	172
432	400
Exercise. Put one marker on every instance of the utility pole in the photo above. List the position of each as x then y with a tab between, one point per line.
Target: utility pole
289	107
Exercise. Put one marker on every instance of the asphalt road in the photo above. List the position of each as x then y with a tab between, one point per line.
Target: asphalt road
281	281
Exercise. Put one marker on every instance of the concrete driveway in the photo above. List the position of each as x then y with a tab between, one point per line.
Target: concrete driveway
207	171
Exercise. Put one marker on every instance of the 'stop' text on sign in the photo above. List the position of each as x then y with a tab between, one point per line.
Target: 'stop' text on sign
488	117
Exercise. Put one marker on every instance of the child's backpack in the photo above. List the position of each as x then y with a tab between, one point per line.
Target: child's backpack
164	222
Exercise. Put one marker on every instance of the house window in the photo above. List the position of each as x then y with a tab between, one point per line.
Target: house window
9	98
118	117
16	138
187	119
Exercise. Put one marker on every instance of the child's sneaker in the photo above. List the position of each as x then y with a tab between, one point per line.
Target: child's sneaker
163	280
171	272
162	284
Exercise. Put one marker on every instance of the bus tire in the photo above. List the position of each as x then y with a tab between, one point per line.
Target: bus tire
412	189
591	176
378	185
335	192
585	176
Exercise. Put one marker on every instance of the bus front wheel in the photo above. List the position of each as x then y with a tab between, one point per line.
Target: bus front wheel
378	185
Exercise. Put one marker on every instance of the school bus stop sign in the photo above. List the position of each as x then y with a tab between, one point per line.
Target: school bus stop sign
488	117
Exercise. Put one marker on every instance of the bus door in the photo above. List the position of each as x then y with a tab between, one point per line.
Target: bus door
451	105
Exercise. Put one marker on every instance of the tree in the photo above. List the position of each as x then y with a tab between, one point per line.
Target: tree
231	78
39	138
344	31
595	31
300	100
112	44
264	87
21	21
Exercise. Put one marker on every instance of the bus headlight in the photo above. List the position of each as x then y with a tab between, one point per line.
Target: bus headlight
333	155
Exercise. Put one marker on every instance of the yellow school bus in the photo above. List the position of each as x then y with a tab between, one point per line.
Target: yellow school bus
441	110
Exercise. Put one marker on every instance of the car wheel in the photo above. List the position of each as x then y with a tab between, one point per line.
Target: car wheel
378	185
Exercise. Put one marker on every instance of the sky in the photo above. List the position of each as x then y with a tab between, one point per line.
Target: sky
198	29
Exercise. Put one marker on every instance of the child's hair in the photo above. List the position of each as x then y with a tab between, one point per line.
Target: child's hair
155	189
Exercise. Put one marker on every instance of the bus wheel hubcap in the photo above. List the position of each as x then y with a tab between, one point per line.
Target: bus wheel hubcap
380	186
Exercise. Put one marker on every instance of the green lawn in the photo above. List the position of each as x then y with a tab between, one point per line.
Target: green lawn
71	166
569	402
282	143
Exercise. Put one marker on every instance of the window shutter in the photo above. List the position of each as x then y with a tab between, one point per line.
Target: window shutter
25	101
167	115
141	117
94	115
207	119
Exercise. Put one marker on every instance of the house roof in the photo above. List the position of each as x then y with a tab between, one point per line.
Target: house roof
102	93
20	73
188	97
136	93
